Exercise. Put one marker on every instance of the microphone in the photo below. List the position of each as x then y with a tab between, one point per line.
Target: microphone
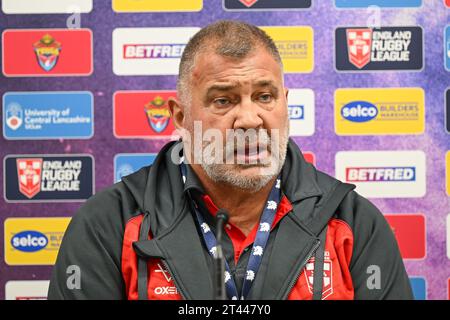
219	260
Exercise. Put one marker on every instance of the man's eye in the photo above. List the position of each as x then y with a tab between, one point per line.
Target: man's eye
265	97
222	101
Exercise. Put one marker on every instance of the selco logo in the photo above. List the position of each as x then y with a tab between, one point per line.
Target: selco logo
359	111
296	112
29	241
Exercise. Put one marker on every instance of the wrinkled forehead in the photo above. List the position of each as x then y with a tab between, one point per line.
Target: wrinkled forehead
258	68
232	85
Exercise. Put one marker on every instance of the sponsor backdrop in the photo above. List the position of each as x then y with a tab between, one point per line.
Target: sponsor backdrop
84	87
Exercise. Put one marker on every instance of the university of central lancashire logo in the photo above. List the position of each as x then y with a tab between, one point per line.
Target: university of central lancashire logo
47	52
359	42
248	3
29	175
14	116
157	114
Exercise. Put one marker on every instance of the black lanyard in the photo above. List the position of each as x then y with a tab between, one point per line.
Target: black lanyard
259	244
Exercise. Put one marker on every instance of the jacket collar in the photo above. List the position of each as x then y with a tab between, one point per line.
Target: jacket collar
192	182
298	178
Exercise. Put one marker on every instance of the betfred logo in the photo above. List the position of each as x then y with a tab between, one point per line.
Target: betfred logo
266	4
383	174
155	51
142	114
149	51
46	6
295	45
48	178
410	232
33	241
26	290
47	52
301	106
156	6
386	48
378	111
380	174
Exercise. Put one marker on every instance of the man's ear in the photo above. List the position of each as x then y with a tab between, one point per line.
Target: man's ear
286	93
176	112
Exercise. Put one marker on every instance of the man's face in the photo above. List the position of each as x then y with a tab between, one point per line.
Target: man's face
247	94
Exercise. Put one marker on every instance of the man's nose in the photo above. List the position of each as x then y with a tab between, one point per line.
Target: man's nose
248	115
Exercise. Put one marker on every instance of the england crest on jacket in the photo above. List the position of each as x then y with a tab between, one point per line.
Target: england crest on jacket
327	275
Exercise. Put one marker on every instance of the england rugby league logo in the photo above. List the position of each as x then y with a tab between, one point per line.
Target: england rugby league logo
29	176
359	42
376	49
248	3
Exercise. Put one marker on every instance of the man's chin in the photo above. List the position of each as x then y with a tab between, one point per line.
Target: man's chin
249	181
247	169
246	177
250	170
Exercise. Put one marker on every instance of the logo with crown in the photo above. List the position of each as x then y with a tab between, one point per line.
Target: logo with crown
158	115
47	52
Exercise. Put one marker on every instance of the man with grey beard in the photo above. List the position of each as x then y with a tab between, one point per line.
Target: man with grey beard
293	231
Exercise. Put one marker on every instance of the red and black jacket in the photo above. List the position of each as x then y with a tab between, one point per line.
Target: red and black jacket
139	240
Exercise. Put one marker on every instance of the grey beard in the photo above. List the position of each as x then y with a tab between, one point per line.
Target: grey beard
229	174
217	173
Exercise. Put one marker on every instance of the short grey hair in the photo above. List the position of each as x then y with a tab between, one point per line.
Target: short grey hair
227	38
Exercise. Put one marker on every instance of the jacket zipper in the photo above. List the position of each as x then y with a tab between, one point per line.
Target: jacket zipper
175	277
300	269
